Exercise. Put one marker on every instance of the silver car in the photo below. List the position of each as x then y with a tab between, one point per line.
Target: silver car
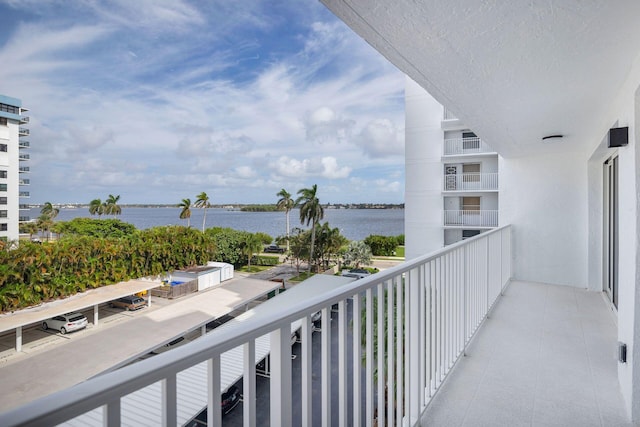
66	322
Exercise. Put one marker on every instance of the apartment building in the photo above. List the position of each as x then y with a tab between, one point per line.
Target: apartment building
452	186
14	181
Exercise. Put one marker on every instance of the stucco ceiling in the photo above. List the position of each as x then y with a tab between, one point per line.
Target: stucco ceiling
514	71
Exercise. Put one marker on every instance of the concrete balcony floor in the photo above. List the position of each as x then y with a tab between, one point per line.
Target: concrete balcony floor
545	357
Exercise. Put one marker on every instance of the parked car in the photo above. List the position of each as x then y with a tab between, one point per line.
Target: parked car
274	249
171	345
358	273
230	399
66	322
130	302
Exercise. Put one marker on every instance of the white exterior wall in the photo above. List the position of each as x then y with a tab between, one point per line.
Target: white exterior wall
545	198
423	168
9	162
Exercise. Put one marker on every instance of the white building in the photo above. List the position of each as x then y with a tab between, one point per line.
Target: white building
13	169
452	176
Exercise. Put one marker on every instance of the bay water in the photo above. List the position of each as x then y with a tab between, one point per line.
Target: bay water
354	224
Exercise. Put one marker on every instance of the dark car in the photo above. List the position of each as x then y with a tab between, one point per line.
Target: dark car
230	399
274	249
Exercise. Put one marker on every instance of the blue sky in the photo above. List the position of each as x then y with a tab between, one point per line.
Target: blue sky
158	100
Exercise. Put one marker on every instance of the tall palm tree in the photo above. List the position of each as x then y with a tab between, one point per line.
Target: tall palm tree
251	245
203	202
112	207
96	207
49	210
44	223
285	203
186	211
310	211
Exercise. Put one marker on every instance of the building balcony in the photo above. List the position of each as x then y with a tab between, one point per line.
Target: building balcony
464	146
23	132
24	120
471	218
23	157
471	182
24	182
23	144
23	169
24	194
24	219
24	207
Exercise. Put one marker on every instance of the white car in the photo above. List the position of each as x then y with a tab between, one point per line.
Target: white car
66	322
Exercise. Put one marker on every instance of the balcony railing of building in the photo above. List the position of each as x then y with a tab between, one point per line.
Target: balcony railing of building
24	157
23	207
430	308
23	132
471	218
457	146
22	169
24	182
24	219
471	181
24	194
23	144
448	115
24	119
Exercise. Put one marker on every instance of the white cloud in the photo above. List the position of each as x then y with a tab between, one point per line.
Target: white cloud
326	167
380	137
324	125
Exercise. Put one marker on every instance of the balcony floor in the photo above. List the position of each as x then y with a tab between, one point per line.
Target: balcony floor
545	357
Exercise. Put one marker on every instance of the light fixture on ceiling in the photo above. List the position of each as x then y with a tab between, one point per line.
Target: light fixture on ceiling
548	137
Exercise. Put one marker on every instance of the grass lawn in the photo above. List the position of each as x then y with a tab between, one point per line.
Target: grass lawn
400	251
254	268
301	277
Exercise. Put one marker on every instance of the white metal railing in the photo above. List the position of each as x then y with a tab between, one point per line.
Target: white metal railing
24	156
24	144
455	146
448	115
23	131
430	306
471	181
24	119
471	217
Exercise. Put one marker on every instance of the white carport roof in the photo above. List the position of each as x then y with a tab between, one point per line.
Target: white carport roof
144	407
76	302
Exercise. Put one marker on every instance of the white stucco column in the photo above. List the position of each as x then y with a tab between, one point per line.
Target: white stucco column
19	339
96	317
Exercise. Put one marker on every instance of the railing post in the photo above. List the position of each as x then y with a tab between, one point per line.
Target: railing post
357	358
214	413
306	367
326	366
111	414
249	385
169	398
342	365
280	382
465	269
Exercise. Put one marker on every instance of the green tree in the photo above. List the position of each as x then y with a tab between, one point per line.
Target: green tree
285	203
381	245
30	228
185	213
96	207
310	212
358	253
44	223
251	245
111	205
202	202
329	242
49	210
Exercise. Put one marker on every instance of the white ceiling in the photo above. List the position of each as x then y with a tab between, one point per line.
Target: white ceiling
514	71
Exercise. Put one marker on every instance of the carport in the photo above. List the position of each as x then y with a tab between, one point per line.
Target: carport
18	319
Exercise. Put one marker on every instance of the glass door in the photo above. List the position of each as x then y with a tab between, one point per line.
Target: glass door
610	229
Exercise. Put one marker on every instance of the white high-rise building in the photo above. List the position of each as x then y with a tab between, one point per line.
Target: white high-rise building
13	171
452	176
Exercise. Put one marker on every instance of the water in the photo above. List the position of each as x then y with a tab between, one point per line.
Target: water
354	224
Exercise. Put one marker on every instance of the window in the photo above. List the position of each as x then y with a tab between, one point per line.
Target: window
470	141
3	147
3	213
3	200
3	174
469	233
471	172
3	121
3	187
471	204
9	108
3	227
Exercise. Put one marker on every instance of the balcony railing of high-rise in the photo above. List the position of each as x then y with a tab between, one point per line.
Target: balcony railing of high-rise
448	115
472	145
471	217
471	181
430	308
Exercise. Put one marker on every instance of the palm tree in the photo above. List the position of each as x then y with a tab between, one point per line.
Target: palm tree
111	205
357	253
49	210
96	207
203	202
285	203
186	211
310	211
251	245
44	223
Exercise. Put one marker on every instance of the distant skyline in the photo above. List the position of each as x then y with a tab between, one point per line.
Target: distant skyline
160	100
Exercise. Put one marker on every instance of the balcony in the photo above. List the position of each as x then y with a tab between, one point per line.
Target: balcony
24	207
23	132
470	218
24	194
23	169
23	144
431	307
448	115
463	146
24	219
24	182
24	120
471	182
24	157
